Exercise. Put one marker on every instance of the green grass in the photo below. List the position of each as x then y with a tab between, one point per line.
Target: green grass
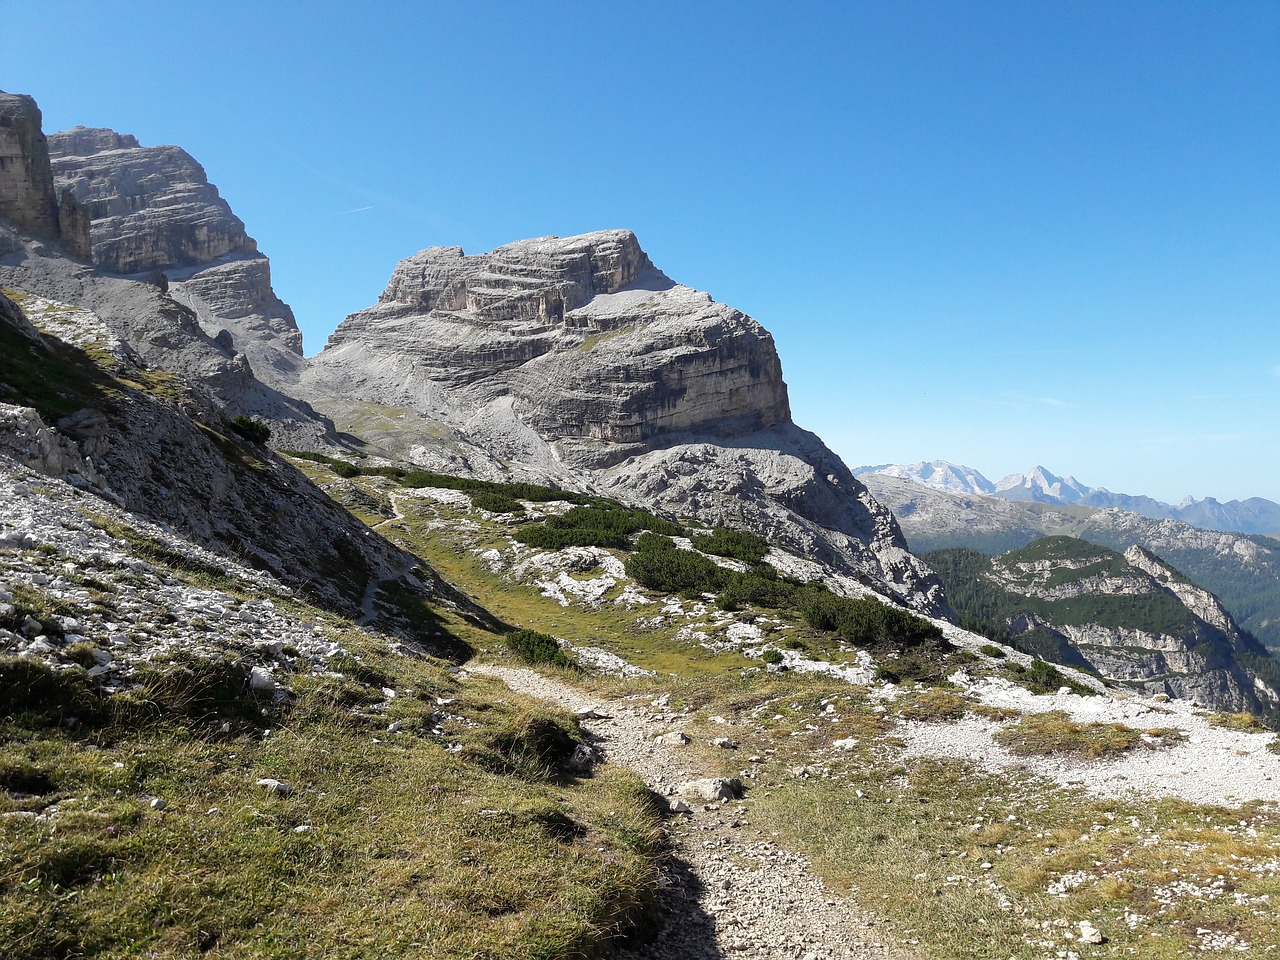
489	852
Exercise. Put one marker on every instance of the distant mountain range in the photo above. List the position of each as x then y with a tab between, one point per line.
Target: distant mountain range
1253	516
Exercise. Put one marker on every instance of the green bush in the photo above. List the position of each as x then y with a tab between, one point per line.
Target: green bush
735	544
771	656
1040	677
255	431
865	622
660	565
991	650
534	647
495	502
609	525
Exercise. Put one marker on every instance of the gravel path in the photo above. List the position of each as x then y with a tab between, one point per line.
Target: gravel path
733	892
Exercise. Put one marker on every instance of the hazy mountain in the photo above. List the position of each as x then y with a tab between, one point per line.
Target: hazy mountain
1243	571
1254	515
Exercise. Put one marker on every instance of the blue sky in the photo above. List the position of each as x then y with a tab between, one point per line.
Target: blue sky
999	233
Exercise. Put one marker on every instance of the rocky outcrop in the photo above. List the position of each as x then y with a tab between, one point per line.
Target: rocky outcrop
576	360
1129	617
27	194
600	354
151	208
153	211
180	464
1241	570
216	324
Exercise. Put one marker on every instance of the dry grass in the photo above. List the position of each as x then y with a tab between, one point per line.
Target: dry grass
1056	733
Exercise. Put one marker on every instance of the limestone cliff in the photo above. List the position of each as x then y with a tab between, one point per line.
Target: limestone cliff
576	359
1130	617
152	210
28	196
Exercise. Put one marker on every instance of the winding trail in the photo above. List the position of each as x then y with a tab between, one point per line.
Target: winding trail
367	611
732	891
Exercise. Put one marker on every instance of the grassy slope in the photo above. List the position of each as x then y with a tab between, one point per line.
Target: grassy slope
455	837
914	843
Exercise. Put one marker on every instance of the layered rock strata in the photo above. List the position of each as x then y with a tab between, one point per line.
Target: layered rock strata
153	211
577	360
1129	617
28	196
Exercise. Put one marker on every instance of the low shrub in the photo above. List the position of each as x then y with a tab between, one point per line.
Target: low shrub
607	525
772	656
1041	677
662	566
495	502
734	544
253	430
534	647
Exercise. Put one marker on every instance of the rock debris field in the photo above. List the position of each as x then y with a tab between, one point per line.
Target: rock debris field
732	892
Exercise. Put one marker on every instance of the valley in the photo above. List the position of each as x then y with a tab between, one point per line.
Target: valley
524	621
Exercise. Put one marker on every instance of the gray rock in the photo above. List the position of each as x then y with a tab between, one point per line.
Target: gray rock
261	681
278	787
712	789
675	738
583	759
581	363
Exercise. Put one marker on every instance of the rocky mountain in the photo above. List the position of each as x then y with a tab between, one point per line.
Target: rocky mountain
153	211
1128	617
575	360
26	180
938	474
1041	486
1252	516
76	403
1243	571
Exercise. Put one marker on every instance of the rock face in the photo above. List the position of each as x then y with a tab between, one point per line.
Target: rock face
1241	570
152	210
600	353
1130	617
575	359
178	463
27	193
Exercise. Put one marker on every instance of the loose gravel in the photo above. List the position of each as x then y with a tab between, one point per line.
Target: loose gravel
732	891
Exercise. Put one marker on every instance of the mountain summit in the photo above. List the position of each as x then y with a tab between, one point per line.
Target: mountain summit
576	360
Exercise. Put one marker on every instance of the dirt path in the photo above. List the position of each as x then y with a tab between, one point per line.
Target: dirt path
368	613
733	892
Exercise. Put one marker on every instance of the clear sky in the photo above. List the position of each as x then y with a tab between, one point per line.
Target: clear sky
1000	233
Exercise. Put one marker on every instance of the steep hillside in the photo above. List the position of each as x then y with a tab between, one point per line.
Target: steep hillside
575	360
1242	571
153	211
143	439
1128	617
